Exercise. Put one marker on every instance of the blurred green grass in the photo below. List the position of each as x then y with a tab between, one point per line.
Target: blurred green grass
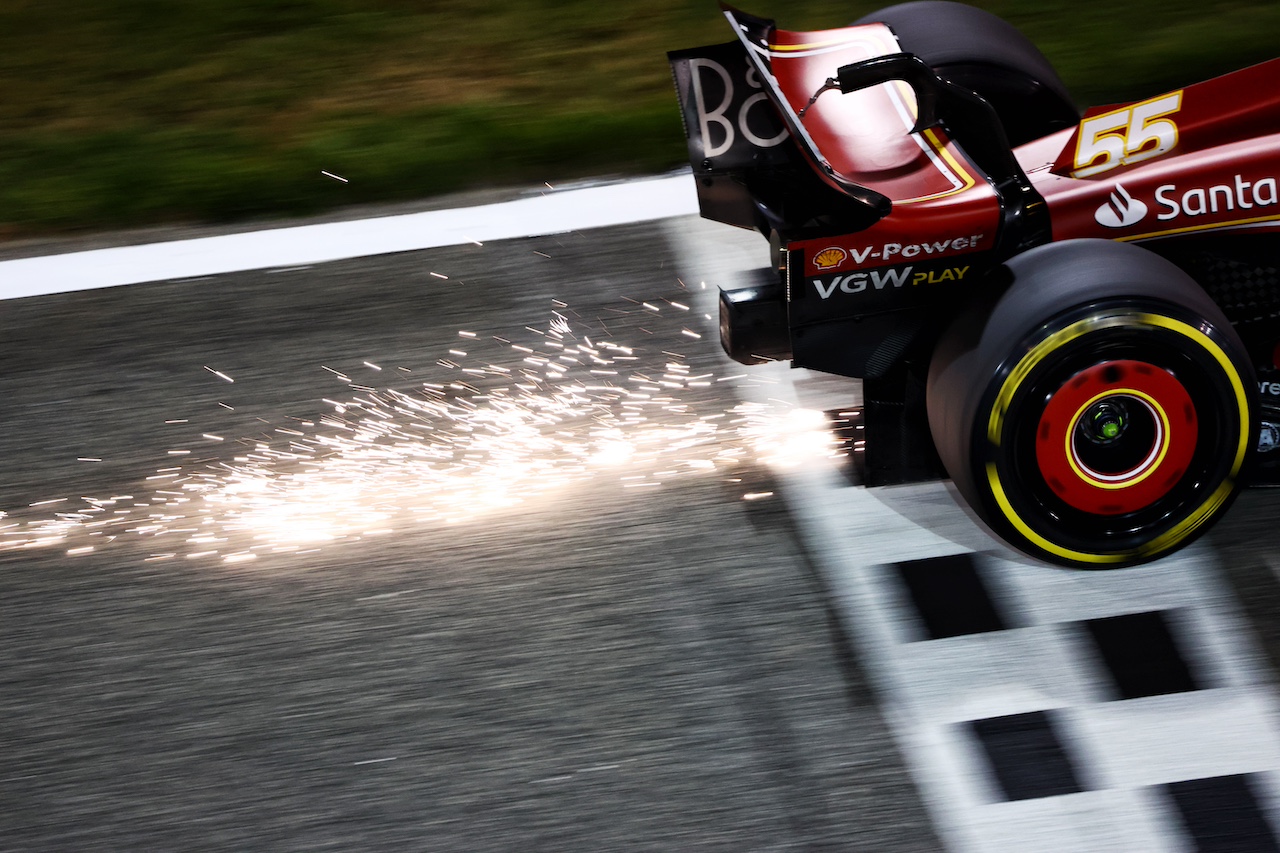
127	112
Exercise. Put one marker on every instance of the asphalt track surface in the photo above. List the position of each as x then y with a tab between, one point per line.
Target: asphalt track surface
599	667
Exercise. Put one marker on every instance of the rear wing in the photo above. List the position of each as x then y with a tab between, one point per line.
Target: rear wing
731	127
893	131
758	35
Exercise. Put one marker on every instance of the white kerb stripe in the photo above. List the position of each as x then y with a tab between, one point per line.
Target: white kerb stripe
555	212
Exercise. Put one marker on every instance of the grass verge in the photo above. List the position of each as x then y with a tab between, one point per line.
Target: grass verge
128	112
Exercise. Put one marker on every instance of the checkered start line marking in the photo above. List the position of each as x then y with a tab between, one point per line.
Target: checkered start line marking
1039	709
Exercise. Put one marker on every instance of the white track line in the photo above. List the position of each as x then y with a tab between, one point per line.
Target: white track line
554	212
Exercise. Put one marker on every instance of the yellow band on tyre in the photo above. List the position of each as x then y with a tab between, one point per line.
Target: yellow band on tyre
1038	353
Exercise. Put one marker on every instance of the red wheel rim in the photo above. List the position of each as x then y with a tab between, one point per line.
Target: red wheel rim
1116	437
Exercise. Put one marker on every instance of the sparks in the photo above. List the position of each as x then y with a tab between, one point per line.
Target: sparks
529	416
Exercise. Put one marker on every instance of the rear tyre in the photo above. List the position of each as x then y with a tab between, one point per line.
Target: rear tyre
1098	413
975	49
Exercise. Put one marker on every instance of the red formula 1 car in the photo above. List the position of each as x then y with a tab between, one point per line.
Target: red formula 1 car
1075	318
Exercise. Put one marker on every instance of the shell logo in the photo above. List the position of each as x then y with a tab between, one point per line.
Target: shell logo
831	257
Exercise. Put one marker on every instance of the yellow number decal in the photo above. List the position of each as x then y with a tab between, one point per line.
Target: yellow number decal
1128	135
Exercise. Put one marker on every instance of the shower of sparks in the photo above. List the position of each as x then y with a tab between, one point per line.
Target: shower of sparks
508	423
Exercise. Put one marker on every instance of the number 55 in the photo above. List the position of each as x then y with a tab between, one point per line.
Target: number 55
1125	136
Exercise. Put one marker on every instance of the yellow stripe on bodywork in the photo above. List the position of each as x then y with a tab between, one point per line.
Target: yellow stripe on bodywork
1191	229
966	179
818	45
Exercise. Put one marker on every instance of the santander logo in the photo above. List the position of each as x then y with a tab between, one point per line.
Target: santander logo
1121	211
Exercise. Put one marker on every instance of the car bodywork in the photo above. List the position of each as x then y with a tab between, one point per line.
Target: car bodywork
891	197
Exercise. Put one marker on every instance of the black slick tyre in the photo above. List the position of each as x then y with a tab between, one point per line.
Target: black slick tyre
1099	411
982	52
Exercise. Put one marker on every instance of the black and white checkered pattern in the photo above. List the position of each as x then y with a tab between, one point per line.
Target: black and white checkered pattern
1039	709
1044	708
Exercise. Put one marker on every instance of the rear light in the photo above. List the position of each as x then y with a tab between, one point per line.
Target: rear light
753	322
